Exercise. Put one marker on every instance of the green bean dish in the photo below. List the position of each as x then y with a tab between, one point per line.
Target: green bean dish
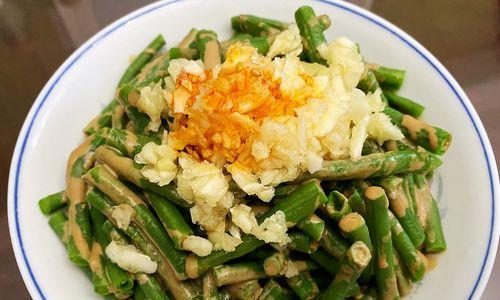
271	165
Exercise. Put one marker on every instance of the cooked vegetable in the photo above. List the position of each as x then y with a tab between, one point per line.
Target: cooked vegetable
434	236
302	242
196	266
353	263
273	291
404	105
356	203
80	160
129	170
433	139
129	206
337	206
406	250
110	117
377	165
208	48
210	291
59	222
312	226
259	42
127	142
311	30
333	242
370	146
257	26
238	272
275	263
296	206
401	207
380	232
388	77
188	39
173	221
405	284
247	290
151	288
326	261
429	216
368	82
303	286
120	281
354	228
51	203
299	204
179	289
143	58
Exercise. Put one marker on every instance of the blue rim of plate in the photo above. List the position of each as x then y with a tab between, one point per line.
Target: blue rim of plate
152	7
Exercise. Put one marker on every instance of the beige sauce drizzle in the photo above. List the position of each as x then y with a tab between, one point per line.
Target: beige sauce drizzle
212	54
76	233
130	127
416	165
93	124
130	143
314	246
66	233
313	22
399	203
432	260
424	203
192	266
174	285
95	259
391	288
188	39
110	170
147	68
414	126
272	267
374	192
424	260
114	163
75	192
371	66
391	145
149	51
133	98
398	229
117	115
351	222
386	238
344	275
177	235
382	261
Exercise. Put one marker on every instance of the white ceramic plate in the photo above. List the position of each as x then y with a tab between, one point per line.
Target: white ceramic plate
468	185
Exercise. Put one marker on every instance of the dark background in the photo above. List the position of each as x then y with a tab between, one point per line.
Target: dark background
36	36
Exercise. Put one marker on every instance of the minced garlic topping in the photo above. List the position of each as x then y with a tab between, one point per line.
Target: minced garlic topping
130	259
263	121
272	230
204	184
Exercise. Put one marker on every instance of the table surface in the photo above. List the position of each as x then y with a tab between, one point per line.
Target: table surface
37	36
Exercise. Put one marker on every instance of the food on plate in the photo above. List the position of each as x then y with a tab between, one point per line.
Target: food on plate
271	165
